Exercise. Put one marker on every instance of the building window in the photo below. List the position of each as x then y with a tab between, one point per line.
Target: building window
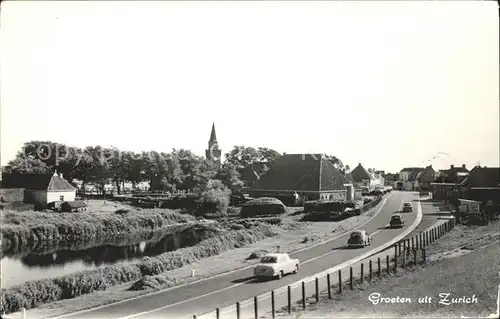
61	198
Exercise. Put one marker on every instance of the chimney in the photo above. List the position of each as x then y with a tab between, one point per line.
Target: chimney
452	166
463	165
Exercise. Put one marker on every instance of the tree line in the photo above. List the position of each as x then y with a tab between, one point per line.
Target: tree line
179	169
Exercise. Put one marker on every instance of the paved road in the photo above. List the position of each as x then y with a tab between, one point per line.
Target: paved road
204	296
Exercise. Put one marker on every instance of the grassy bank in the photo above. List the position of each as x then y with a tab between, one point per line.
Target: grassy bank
27	229
33	293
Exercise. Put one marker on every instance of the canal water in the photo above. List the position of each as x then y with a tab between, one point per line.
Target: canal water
18	268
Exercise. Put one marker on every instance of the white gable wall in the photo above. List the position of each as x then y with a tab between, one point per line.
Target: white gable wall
55	196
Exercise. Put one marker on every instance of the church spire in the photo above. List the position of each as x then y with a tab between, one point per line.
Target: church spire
213	152
213	137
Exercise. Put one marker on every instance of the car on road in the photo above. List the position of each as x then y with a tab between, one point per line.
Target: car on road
397	221
407	207
359	238
276	266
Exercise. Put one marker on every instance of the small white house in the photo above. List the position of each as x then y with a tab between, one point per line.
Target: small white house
44	189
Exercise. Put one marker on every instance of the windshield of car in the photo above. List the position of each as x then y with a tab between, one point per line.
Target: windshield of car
269	260
407	204
396	217
355	235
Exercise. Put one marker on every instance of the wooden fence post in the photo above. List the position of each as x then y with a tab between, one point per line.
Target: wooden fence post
328	283
424	257
340	281
404	246
273	310
303	295
238	310
399	248
379	270
350	281
256	307
395	249
403	262
396	262
362	272
371	269
289	300
317	288
194	317
387	261
217	313
415	257
413	243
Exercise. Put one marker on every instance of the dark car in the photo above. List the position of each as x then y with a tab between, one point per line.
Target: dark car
359	238
407	207
397	221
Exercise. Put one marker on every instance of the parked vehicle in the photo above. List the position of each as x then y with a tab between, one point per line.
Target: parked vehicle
407	207
276	266
397	221
359	238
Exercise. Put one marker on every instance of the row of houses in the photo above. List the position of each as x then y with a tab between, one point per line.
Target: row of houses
313	177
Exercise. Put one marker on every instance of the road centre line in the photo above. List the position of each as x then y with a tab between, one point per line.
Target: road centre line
242	283
282	290
382	204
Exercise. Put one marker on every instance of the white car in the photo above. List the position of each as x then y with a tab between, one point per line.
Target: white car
276	265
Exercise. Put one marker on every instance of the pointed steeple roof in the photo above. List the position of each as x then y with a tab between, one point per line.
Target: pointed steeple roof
213	137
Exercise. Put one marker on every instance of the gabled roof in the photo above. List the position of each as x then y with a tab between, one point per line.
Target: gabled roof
46	182
483	177
359	173
302	172
412	169
422	174
354	183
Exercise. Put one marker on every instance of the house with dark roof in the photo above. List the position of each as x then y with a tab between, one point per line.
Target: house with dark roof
408	178
310	176
483	184
42	189
425	178
368	179
454	174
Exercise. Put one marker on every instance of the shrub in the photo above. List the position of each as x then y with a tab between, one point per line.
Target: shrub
257	254
262	206
324	206
32	293
19	229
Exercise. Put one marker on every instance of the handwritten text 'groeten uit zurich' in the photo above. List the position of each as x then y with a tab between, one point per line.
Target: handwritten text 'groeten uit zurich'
443	299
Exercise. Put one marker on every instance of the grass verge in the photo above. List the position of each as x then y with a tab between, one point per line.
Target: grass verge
33	293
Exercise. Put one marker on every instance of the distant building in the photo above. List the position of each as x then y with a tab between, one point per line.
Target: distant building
213	153
483	185
408	178
311	176
425	178
452	175
41	189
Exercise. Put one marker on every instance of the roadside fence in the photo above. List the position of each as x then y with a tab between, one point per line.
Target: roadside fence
408	252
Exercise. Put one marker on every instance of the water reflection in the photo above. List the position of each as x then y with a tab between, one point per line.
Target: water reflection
39	265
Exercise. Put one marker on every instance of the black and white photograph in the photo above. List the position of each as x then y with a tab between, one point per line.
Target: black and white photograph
249	159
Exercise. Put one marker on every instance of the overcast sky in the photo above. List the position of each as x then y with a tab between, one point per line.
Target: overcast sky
388	84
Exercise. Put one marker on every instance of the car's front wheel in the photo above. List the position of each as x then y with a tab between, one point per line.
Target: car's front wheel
280	274
296	270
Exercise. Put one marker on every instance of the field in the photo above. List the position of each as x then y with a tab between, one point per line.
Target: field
463	263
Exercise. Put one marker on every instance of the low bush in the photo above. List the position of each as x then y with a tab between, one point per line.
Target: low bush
32	293
324	206
261	207
19	229
257	254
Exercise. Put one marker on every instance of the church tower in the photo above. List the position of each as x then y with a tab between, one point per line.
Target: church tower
213	152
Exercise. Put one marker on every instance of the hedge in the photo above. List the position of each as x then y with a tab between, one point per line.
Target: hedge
33	293
24	229
262	206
